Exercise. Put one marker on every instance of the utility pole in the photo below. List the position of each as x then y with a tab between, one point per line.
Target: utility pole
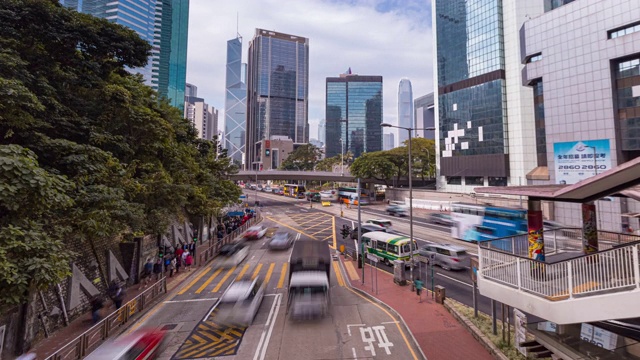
360	230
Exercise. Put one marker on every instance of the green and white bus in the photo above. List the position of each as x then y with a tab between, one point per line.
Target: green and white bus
388	247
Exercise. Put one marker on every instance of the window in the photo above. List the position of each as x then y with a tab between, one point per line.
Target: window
442	251
393	249
474	180
497	181
454	180
382	246
534	58
626	30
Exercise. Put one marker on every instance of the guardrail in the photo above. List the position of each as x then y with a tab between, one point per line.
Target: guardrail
616	268
88	341
214	246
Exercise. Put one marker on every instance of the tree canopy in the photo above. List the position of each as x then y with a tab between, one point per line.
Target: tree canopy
89	147
304	158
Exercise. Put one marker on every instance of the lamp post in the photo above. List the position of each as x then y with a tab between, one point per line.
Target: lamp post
256	163
342	157
410	130
595	162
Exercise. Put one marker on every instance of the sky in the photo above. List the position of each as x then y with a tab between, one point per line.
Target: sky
390	38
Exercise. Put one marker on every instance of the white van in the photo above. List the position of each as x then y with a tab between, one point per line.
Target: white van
385	225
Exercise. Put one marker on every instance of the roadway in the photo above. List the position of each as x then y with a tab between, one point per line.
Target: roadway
355	323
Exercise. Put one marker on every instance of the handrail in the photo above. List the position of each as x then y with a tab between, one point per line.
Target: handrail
89	340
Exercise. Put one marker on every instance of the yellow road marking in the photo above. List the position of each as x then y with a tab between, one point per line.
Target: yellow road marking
312	217
195	280
292	228
283	274
353	274
209	280
256	271
338	273
269	272
226	276
333	232
244	270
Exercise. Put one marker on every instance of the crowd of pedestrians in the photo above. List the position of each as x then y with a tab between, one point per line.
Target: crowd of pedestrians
228	224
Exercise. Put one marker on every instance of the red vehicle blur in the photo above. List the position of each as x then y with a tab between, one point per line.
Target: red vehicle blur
255	232
142	344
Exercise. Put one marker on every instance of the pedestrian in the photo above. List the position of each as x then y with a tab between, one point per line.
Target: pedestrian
188	261
146	273
116	293
157	269
172	266
96	306
178	260
179	252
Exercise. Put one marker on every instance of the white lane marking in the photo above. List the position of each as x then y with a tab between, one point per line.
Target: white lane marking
456	280
389	322
211	310
264	341
353	351
353	224
350	325
189	300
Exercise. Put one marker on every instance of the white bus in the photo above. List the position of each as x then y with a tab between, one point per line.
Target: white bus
388	247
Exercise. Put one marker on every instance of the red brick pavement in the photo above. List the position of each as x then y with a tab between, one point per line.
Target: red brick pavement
437	332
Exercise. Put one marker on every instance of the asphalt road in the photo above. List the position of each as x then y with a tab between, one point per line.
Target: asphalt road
355	328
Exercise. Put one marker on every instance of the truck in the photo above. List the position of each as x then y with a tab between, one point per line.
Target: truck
309	274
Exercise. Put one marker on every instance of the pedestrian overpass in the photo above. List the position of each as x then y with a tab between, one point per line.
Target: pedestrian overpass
252	175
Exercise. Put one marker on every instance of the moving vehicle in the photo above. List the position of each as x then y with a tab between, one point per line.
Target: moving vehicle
281	241
231	255
255	232
472	222
449	257
260	187
267	188
397	209
366	228
254	187
142	344
329	195
313	196
309	273
294	190
388	247
384	225
440	218
240	302
346	192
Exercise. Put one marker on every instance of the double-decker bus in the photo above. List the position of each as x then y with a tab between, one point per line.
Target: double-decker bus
472	222
294	190
388	247
349	194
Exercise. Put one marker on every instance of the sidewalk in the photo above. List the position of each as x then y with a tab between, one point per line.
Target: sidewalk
63	336
436	331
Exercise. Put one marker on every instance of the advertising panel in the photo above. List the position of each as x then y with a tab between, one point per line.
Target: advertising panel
575	159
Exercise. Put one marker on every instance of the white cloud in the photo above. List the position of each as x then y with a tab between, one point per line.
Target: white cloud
373	37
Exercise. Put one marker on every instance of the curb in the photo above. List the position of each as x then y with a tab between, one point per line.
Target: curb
476	333
373	298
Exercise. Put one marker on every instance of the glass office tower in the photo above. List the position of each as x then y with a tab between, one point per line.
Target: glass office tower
235	106
353	114
405	110
177	75
277	91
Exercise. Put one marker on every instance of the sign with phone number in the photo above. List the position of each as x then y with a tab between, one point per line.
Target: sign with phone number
578	160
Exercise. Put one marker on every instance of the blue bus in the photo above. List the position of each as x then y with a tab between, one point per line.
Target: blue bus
473	222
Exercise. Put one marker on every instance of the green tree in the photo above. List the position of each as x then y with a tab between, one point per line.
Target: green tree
423	152
374	165
304	158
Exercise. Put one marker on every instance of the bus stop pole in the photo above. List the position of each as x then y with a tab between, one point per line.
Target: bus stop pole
360	229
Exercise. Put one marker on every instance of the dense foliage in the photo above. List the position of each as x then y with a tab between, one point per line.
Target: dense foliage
303	158
86	149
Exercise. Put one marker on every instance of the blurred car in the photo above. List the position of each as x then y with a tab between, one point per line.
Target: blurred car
440	218
384	225
254	187
448	257
367	228
260	187
240	302
142	344
280	241
397	210
255	232
267	188
231	255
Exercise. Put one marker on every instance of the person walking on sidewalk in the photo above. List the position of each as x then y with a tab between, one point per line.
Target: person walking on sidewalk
116	293
157	269
172	265
188	261
147	271
96	306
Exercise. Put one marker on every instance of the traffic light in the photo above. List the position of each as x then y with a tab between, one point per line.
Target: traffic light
345	231
195	239
267	152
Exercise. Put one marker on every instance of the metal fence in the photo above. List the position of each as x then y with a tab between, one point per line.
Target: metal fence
215	245
88	341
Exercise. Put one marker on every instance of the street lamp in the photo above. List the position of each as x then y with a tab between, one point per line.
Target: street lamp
256	163
410	130
342	156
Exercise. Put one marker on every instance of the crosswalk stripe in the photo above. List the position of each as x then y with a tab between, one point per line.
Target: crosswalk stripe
209	280
269	272
226	276
283	274
197	278
244	270
256	271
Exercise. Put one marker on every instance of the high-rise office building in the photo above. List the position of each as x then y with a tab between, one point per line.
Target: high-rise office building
485	119
164	24
190	90
353	114
405	110
203	116
277	91
322	131
235	104
424	116
388	142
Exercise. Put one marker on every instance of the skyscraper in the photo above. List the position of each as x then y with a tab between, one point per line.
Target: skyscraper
353	114
164	24
388	142
322	131
235	104
203	116
277	91
424	116
405	110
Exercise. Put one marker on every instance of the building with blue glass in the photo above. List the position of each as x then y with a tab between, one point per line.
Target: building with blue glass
235	105
405	110
277	91
353	114
172	78
484	115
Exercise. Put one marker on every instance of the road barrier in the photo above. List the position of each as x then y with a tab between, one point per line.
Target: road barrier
89	340
214	246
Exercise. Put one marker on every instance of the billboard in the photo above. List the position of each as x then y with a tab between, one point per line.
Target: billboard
575	159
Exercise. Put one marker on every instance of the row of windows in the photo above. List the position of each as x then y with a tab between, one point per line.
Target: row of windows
630	29
476	180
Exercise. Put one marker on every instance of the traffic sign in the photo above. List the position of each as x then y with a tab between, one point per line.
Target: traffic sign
372	257
474	269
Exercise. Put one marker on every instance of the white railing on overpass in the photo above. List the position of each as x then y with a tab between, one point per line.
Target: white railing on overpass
566	273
